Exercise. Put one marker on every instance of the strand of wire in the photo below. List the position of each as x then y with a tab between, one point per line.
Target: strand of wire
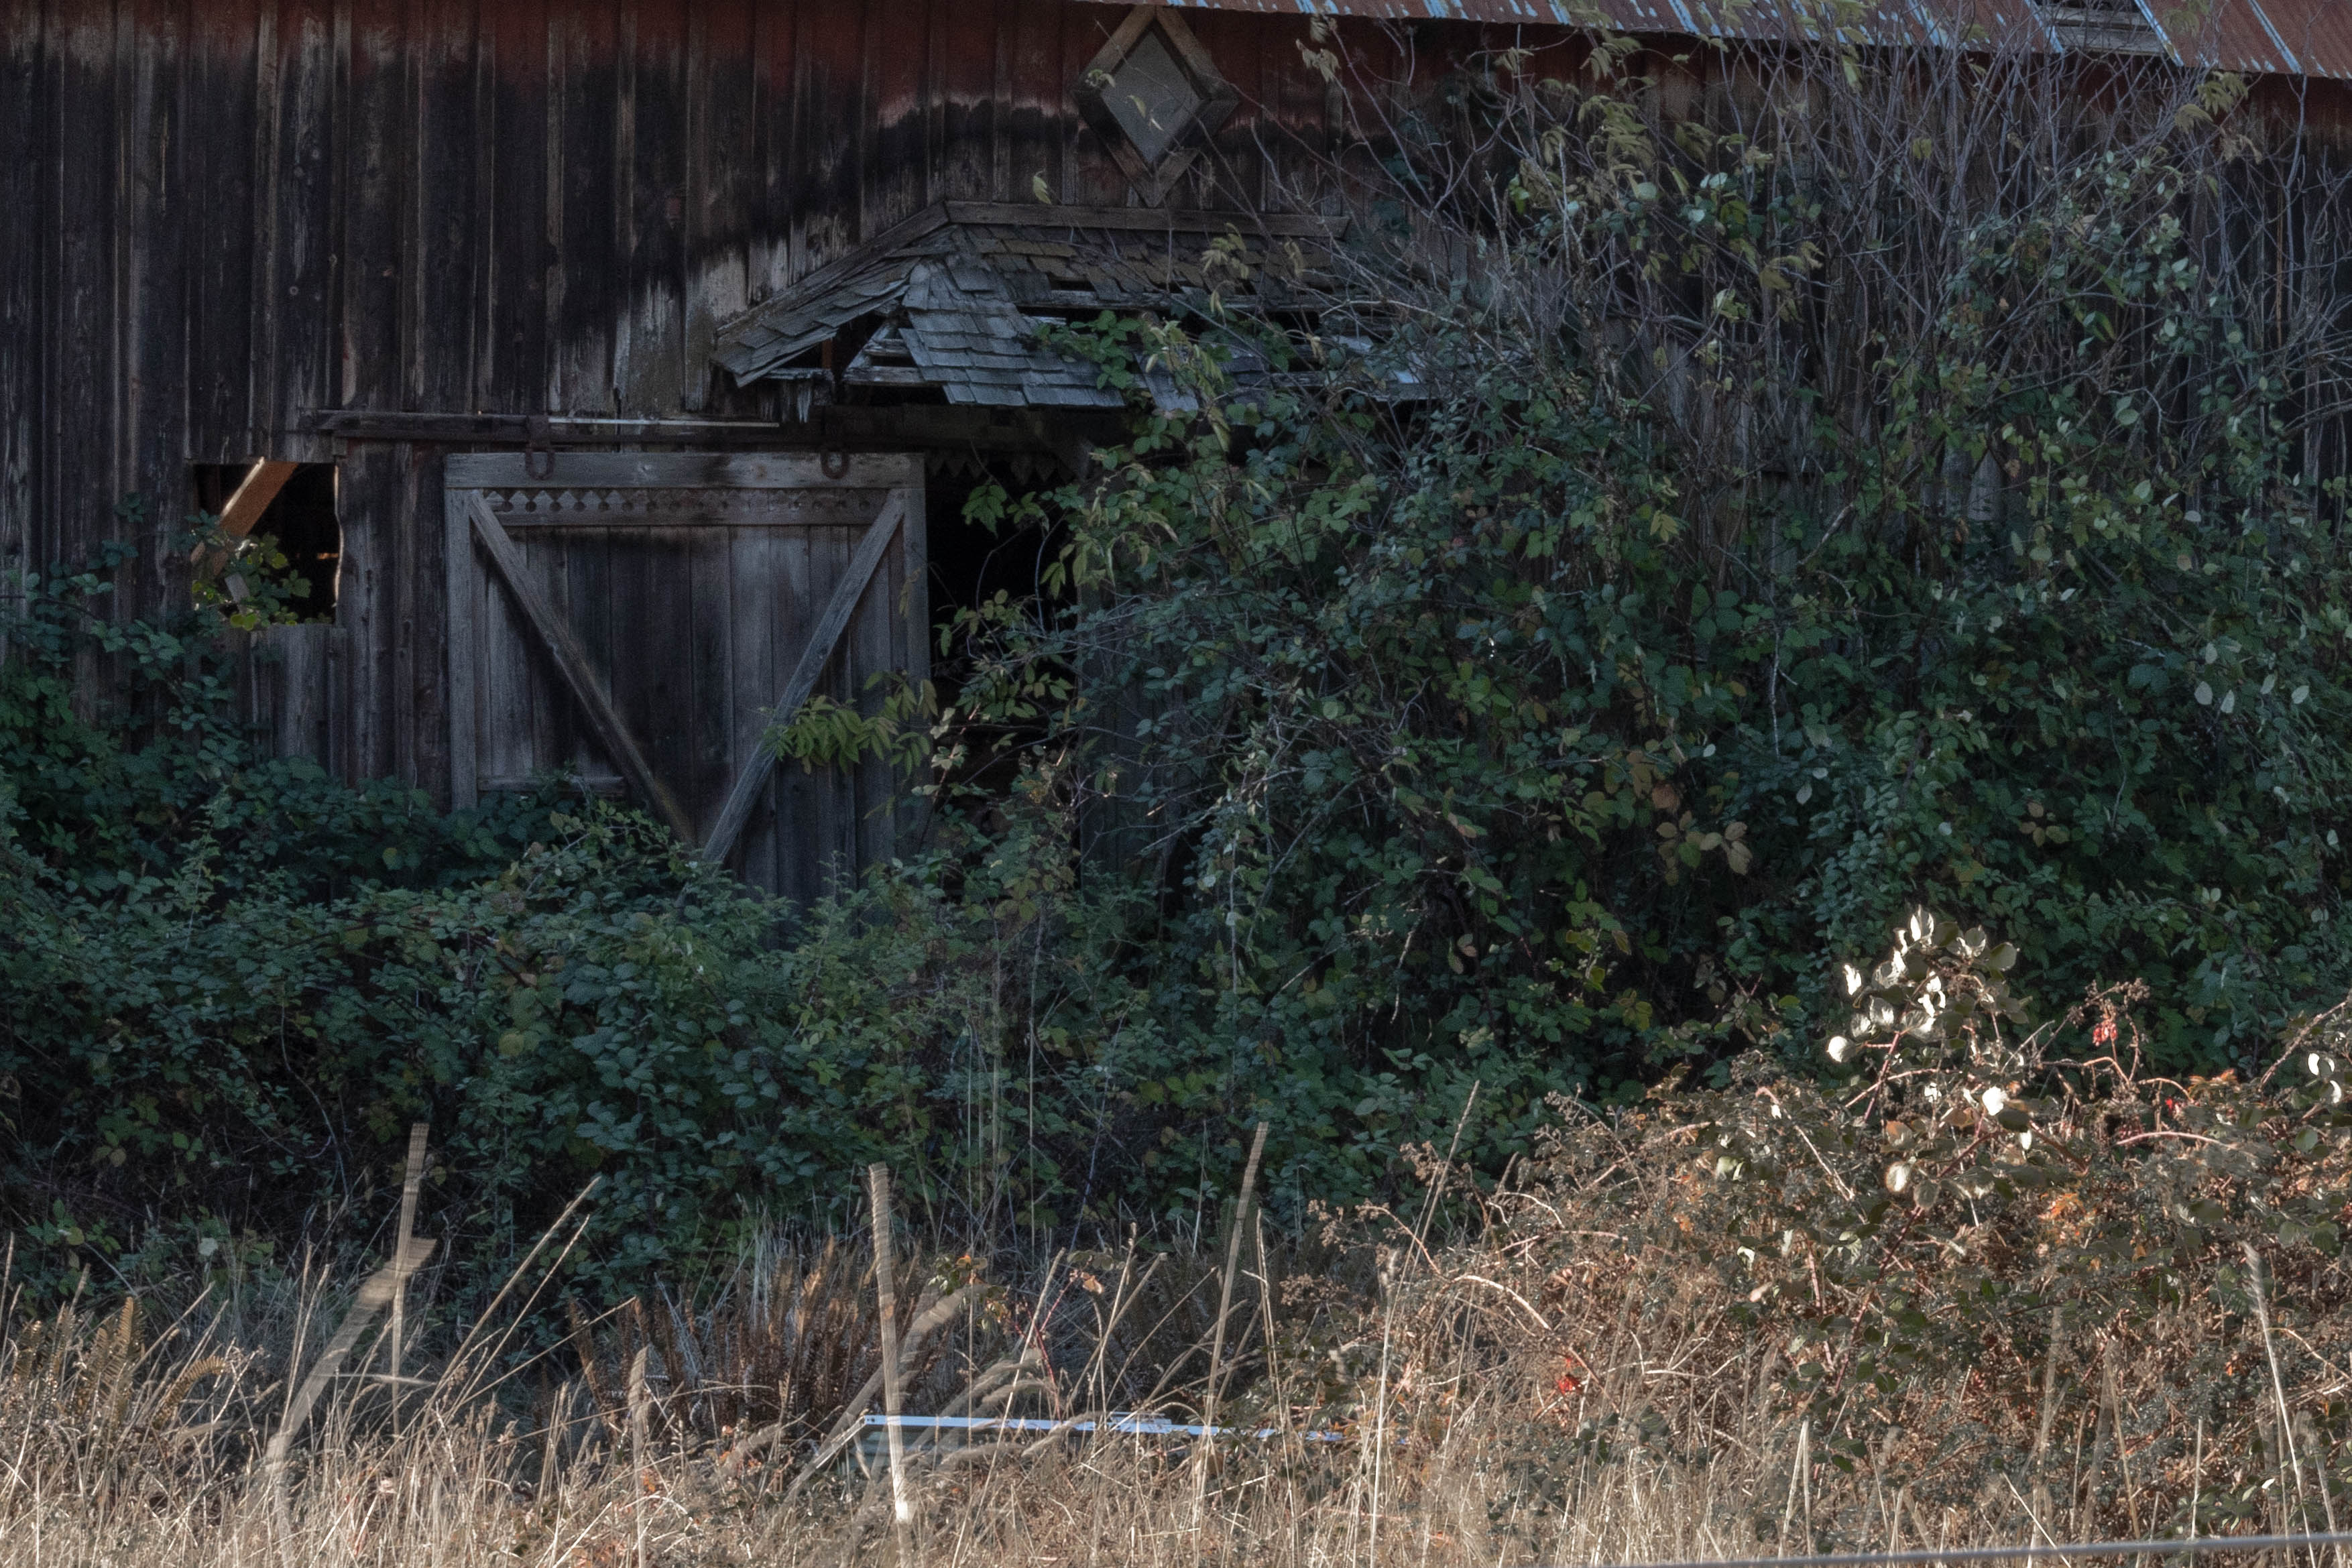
1957	1554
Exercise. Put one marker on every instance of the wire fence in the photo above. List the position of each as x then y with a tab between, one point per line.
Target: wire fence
2047	1550
1120	1422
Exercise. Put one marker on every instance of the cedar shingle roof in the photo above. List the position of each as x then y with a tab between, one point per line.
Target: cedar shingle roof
955	295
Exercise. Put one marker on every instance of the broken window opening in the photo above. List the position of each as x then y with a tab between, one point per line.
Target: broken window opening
275	537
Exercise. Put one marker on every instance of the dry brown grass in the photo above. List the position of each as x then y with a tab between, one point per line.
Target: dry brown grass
1542	1392
1755	1319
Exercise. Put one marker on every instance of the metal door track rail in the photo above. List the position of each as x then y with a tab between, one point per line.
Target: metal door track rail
1122	1425
1954	1554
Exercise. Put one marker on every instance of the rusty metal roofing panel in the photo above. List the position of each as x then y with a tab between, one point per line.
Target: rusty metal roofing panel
2260	37
2230	36
2305	37
1634	16
1640	16
1983	23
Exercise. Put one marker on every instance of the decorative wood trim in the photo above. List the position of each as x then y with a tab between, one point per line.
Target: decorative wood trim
639	523
572	663
522	429
893	429
681	470
815	656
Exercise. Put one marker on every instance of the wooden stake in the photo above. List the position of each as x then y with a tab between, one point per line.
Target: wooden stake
409	1185
2278	1389
551	1446
1788	1509
1226	1294
375	1295
877	1181
2115	1421
2049	1392
637	1487
2196	1484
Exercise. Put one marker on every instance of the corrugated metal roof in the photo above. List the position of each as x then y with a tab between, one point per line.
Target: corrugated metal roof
2260	37
1543	13
2285	38
2233	37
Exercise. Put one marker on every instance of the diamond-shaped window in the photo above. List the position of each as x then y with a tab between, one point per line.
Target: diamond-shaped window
1153	94
1151	97
2115	26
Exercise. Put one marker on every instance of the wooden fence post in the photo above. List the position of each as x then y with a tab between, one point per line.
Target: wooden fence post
878	1180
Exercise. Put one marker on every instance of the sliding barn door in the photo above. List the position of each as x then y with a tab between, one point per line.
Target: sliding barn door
634	619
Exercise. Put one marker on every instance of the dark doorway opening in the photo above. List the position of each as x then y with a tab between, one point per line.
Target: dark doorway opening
299	521
973	562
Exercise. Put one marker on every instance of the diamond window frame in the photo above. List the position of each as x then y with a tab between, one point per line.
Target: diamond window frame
1218	99
2114	26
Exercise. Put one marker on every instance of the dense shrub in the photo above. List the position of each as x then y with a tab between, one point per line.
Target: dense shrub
1456	770
1527	669
232	983
119	756
1765	527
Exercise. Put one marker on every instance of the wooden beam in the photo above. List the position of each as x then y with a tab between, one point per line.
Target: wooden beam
813	661
682	471
517	429
1032	215
572	663
885	428
253	493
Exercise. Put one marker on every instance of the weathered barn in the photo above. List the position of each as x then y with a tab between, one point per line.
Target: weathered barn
600	355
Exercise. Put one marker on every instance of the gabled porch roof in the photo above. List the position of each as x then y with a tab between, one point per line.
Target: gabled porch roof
952	299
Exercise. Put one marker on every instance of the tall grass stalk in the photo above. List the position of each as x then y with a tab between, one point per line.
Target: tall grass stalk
1566	1381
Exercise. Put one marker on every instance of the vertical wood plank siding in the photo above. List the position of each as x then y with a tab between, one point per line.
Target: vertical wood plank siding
23	365
224	215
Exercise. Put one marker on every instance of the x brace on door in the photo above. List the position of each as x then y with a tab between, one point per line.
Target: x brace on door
555	638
